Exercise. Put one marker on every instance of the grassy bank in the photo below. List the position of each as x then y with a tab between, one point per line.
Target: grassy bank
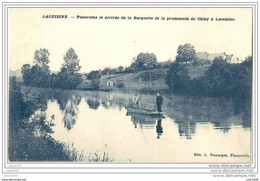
148	80
143	80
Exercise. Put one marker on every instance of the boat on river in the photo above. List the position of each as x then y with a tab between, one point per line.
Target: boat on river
143	108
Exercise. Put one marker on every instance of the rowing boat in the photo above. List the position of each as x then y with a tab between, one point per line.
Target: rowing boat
143	111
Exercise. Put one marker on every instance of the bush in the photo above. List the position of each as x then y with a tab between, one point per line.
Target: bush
120	85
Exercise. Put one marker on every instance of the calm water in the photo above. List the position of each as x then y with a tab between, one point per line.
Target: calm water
97	122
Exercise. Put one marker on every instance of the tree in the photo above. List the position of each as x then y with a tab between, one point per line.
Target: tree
177	78
186	53
68	76
144	61
106	71
40	71
71	62
94	76
219	78
38	74
26	74
41	57
120	68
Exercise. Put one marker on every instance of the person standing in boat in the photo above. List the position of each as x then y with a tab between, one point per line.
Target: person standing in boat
135	101
159	102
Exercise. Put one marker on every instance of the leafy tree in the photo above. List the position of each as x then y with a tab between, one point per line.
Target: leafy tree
38	74
144	61
41	57
219	77
186	53
120	68
68	76
177	78
26	74
94	76
71	62
105	71
16	103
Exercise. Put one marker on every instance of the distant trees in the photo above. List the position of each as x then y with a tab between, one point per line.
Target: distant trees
94	76
221	79
41	57
39	74
186	53
68	76
144	61
177	77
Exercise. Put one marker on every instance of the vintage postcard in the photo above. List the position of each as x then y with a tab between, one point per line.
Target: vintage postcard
130	85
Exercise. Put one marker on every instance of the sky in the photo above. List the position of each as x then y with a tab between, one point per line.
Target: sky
103	43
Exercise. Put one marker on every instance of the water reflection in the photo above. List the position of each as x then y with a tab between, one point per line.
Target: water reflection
147	122
184	116
159	129
71	111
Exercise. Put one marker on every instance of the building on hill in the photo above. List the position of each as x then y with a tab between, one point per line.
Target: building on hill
110	83
211	56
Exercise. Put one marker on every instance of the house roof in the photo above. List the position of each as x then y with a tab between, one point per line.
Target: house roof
211	56
202	55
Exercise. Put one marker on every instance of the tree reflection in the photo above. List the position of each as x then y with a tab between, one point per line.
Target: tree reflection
93	104
29	128
186	111
71	111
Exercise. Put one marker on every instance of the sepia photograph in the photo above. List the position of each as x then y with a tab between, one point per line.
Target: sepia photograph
130	85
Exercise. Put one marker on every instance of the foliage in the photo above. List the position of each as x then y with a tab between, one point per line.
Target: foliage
144	61
39	75
69	77
16	103
94	76
36	75
71	65
221	79
120	85
41	57
120	68
177	77
186	53
68	81
105	71
30	133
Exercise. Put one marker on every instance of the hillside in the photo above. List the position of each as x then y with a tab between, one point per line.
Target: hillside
148	80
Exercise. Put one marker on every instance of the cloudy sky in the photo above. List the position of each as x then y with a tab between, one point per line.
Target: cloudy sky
110	43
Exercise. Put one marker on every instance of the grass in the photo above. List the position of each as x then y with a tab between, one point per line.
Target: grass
133	81
147	80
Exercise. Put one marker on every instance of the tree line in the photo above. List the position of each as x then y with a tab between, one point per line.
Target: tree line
222	79
39	74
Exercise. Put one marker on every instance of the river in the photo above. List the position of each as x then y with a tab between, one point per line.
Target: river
194	129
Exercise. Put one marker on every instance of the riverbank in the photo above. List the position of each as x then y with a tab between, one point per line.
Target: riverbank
148	80
143	81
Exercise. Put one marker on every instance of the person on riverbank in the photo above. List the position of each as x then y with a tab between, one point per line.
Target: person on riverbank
159	102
